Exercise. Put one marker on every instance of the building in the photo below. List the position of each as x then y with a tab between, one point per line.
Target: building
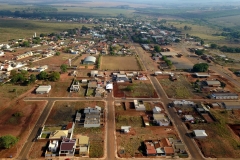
94	73
139	106
150	149
168	151
109	87
82	146
212	83
161	119
188	118
67	147
224	95
52	149
89	60
59	134
92	117
201	75
231	105
78	117
70	127
157	110
74	86
125	129
43	89
199	133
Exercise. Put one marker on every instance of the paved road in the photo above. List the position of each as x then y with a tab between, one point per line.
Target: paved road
27	146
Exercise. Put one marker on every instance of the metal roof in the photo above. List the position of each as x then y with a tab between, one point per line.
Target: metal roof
90	59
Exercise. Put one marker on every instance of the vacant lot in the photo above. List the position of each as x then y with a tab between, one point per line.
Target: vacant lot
17	119
181	88
64	112
38	149
221	141
139	89
117	63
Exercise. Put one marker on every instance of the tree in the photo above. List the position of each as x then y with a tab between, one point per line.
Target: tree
177	40
8	141
157	48
63	68
54	76
200	67
26	44
223	85
199	52
57	53
42	75
32	78
202	42
213	46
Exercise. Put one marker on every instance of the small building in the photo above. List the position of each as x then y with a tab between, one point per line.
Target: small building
156	110
78	117
161	119
92	117
84	80
125	129
224	95
158	73
89	60
67	147
43	89
201	75
52	149
150	149
188	118
231	105
169	151
74	86
109	87
139	106
94	73
82	146
212	83
199	133
70	127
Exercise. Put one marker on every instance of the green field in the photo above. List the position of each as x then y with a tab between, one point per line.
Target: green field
19	28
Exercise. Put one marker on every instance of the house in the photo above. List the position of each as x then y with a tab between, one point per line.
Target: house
94	73
84	80
82	146
58	134
1	53
52	149
43	89
157	110
74	86
121	78
201	75
161	119
212	83
67	147
231	105
70	127
150	149
188	118
139	106
224	95
109	87
89	60
92	117
199	133
169	151
157	73
125	129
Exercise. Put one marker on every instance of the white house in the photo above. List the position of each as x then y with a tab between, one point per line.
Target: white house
125	129
200	133
1	53
157	110
188	117
43	89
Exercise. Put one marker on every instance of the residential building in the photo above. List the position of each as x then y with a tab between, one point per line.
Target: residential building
82	146
78	117
150	149
161	119
67	147
200	133
157	110
109	87
75	86
43	89
70	127
188	118
52	149
125	129
92	117
169	151
139	105
212	83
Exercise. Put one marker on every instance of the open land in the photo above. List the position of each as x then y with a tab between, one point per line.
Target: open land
116	63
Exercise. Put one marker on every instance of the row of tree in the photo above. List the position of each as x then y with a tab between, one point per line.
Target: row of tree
226	48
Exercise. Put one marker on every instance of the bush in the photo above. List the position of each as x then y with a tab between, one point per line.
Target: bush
8	141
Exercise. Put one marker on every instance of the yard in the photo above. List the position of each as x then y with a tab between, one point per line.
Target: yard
221	141
118	63
181	88
140	89
64	112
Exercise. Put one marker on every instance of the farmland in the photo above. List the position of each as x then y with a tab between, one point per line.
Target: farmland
117	63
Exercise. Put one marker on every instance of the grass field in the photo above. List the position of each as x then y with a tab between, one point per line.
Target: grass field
19	28
224	144
113	63
177	89
229	21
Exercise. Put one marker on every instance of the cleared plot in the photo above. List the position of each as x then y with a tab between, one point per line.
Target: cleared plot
221	141
38	149
113	63
177	89
64	112
181	63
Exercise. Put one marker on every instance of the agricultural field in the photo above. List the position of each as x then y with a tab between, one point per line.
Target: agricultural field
18	119
221	142
227	21
140	89
119	63
21	28
63	112
181	88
